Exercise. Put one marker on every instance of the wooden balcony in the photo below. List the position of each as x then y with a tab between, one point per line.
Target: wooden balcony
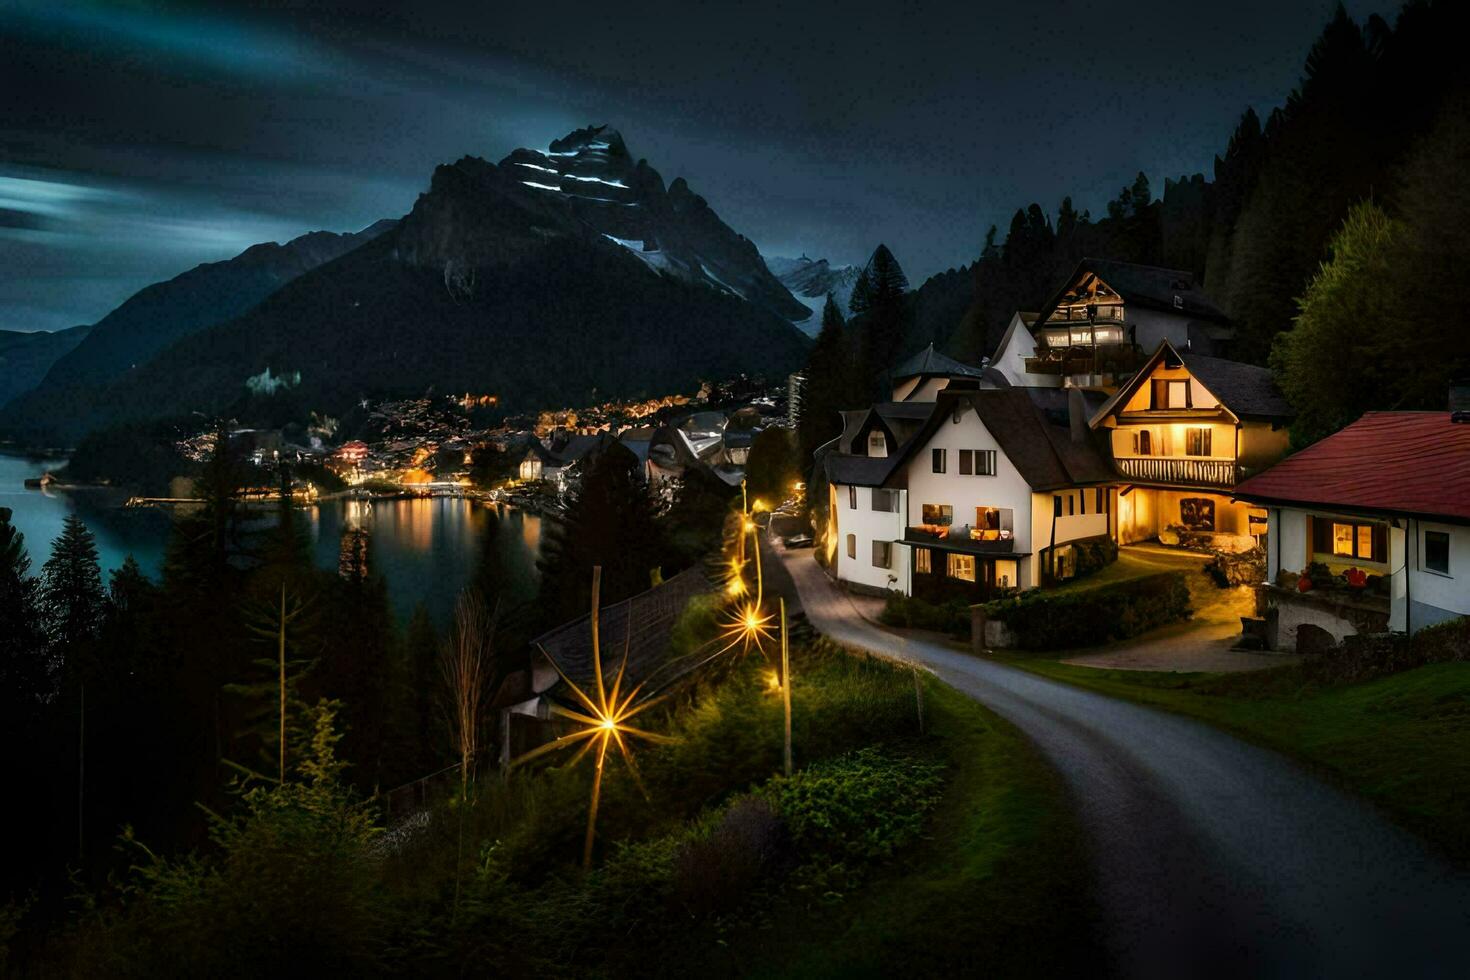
1181	471
958	541
1087	359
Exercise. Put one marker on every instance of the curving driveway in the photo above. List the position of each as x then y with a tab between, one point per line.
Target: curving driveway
1214	858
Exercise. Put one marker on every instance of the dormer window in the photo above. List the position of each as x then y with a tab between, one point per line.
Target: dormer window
877	444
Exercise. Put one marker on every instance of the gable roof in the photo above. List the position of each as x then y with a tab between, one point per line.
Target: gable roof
1024	321
1170	290
1410	463
1044	453
652	615
930	362
1245	390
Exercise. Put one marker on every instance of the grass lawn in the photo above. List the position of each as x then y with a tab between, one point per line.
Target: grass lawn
999	886
1401	741
1134	562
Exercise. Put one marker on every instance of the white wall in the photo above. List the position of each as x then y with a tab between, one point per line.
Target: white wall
1006	489
869	525
1010	360
1432	597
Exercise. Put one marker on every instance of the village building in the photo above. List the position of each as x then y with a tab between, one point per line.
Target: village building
923	376
1098	328
983	491
1376	518
1183	431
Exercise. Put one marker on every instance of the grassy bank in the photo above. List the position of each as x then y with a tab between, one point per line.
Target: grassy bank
945	842
998	886
1400	741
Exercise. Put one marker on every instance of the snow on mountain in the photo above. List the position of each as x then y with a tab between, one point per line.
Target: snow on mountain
810	280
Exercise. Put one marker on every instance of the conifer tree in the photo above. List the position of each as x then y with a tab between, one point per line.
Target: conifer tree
71	589
26	679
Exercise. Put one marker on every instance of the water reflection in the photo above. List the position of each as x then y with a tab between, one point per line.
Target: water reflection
426	548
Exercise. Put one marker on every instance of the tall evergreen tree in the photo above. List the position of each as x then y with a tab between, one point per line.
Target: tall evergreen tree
829	386
884	327
26	679
609	521
71	590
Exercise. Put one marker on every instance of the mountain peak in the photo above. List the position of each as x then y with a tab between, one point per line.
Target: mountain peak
595	140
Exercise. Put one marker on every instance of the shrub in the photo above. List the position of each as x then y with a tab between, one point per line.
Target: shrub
1042	620
1094	554
714	873
860	807
912	613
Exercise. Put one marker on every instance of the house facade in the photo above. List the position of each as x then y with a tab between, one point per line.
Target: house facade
1100	326
1183	432
1385	505
985	493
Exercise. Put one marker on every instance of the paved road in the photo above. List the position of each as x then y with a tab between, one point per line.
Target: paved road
1213	858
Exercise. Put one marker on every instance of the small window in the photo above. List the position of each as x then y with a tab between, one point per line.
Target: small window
939	515
1178	394
922	561
852	546
1144	443
977	462
939	461
852	498
1056	506
882	554
1437	552
1071	505
1100	493
877	445
885	500
1197	442
962	567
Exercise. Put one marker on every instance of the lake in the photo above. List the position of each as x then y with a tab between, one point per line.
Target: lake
426	549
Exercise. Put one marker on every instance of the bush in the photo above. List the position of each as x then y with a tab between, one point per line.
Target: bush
951	617
713	873
1041	620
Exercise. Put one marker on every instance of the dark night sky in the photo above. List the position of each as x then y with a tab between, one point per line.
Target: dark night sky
140	138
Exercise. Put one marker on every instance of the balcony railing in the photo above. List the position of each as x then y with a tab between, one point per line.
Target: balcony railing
1079	314
1087	359
959	539
1180	470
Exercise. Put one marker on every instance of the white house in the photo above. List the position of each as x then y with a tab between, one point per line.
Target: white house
1100	325
1389	497
986	491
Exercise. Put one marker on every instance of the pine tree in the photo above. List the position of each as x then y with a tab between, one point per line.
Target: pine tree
884	325
830	385
26	678
1140	196
609	521
71	589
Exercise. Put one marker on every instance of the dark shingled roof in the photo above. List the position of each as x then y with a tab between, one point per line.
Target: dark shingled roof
1144	285
1248	391
1411	463
653	615
1041	449
930	361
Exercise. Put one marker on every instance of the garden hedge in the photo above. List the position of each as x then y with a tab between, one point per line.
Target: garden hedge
1042	620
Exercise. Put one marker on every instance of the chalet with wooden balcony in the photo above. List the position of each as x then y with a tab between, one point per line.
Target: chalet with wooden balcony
985	490
1099	328
1183	431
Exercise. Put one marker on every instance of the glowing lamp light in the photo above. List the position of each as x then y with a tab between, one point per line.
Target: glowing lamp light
757	505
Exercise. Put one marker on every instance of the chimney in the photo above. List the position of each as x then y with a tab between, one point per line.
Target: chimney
1460	400
1077	415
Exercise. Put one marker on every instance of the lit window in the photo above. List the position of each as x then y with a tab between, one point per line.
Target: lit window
1342	539
1197	442
1005	574
962	567
921	561
938	514
1178	394
877	446
882	554
1365	540
1437	552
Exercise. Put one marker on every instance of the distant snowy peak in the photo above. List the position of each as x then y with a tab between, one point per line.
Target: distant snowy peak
671	229
810	280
